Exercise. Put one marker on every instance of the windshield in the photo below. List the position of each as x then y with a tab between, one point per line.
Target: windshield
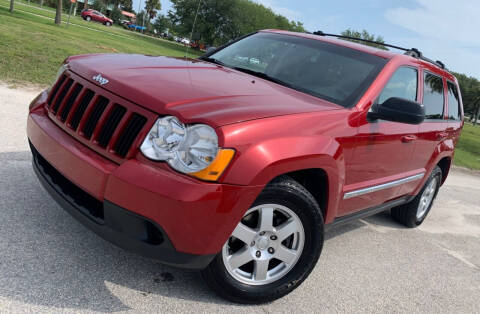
331	72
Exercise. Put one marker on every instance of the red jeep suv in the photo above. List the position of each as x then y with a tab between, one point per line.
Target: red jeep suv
93	15
234	163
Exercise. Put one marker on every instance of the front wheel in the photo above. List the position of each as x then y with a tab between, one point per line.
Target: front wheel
88	18
414	213
273	248
108	23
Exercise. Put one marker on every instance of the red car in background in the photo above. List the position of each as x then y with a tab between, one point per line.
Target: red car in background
93	15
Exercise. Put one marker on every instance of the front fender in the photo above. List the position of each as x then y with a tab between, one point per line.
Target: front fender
262	162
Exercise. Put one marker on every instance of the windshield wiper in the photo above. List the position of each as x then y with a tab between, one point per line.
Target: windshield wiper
264	76
248	71
213	60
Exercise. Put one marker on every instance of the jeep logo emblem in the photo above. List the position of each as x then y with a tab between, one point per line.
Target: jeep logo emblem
101	80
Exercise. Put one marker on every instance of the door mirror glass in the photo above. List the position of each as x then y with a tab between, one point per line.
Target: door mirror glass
398	110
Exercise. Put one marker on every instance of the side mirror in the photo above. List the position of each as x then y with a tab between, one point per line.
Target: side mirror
398	110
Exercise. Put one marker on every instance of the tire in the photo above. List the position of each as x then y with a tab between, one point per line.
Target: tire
414	213
287	200
108	24
88	19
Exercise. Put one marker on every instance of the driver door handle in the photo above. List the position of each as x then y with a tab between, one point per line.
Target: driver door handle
408	138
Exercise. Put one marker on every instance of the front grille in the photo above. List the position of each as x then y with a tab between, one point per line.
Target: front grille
94	116
99	119
129	133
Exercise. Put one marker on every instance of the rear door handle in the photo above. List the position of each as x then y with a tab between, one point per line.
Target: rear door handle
408	138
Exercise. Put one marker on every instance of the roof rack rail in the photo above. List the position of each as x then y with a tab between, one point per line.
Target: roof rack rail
413	52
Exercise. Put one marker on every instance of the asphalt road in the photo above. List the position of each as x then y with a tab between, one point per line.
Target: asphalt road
50	263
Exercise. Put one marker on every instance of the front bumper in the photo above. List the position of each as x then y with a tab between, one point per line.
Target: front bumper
113	223
138	206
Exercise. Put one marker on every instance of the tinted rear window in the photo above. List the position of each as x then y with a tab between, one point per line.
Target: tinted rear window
331	72
433	97
453	102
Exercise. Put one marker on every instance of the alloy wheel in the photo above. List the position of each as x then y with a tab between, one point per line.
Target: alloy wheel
265	245
427	198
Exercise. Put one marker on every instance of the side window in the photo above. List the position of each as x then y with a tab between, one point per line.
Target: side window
402	84
433	97
453	102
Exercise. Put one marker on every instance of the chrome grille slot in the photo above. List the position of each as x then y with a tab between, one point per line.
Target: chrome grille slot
95	115
111	125
70	101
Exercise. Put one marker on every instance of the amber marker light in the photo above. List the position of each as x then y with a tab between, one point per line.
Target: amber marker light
216	168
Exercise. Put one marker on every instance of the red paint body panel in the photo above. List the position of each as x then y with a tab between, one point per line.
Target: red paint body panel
273	129
183	87
75	161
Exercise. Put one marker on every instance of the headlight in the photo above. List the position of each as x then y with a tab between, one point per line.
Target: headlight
189	149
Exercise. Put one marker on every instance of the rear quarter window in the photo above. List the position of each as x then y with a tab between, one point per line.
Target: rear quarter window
454	112
433	96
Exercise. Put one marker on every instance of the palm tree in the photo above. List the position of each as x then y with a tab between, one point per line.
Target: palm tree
152	6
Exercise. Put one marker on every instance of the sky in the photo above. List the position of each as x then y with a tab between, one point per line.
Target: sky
445	30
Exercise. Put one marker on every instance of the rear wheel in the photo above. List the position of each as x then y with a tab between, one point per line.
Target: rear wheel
414	213
273	248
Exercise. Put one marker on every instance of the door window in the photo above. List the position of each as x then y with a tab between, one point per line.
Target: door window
433	96
402	84
453	102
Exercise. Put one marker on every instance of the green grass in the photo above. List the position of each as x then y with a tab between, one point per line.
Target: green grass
467	152
33	47
50	13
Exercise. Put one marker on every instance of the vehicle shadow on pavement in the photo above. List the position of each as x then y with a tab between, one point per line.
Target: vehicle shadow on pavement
49	259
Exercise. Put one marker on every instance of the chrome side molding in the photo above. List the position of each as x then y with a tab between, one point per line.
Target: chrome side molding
383	186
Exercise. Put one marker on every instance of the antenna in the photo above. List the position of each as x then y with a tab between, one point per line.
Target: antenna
193	27
413	52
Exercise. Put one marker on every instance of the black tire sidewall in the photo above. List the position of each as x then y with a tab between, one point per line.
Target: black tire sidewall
312	222
413	220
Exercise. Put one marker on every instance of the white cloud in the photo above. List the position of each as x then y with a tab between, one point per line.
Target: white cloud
447	30
278	9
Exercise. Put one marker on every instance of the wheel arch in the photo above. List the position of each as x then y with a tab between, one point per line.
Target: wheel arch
444	165
317	163
315	181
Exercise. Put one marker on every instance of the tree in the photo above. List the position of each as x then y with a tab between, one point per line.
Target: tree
162	23
220	21
126	5
11	5
116	15
58	14
152	6
364	35
470	90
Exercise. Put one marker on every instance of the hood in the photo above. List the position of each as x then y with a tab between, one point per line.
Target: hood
193	90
